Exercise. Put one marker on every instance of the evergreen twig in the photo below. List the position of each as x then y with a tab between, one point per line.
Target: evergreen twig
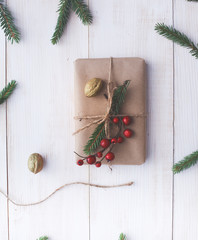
7	91
177	37
43	238
7	23
65	6
122	236
186	163
99	132
63	18
82	10
119	97
95	139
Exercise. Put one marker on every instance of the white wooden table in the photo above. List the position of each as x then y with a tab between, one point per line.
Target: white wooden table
38	118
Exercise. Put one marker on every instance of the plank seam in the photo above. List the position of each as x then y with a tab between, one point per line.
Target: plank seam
89	174
173	183
6	82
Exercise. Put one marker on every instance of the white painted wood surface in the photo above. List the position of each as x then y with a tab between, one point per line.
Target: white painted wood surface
3	151
39	119
186	127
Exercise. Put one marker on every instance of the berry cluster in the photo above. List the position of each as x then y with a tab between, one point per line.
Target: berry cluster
98	157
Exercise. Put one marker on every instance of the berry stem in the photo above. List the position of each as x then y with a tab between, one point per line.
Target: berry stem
108	150
79	155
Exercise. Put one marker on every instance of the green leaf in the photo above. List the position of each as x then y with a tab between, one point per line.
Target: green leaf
95	139
65	6
122	237
99	132
177	37
186	163
63	18
119	97
82	10
43	238
7	24
7	91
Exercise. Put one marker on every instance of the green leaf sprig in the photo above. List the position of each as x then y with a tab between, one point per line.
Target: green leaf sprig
7	91
177	37
82	11
7	24
65	7
186	163
122	237
43	238
99	132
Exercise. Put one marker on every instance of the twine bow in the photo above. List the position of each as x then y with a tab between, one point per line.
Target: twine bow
98	119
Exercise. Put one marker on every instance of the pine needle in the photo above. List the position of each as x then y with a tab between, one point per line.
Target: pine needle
186	163
7	24
177	37
82	10
7	91
63	18
122	237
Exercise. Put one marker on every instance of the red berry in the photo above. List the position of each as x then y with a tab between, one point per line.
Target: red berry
126	120
115	120
91	159
99	154
120	139
128	133
105	143
110	156
80	162
113	140
98	164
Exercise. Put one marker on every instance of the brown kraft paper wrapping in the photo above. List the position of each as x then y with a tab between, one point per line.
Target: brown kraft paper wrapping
133	150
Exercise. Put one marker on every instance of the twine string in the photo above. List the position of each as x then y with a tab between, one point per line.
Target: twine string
61	187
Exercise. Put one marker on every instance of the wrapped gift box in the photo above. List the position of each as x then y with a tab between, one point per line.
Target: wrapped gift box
133	150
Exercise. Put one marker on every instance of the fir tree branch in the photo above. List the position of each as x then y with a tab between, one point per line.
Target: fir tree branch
95	139
43	238
7	91
82	10
177	37
99	133
122	237
7	24
186	163
119	97
65	6
63	18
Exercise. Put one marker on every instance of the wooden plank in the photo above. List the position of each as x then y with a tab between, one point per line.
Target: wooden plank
186	124
3	171
40	119
144	211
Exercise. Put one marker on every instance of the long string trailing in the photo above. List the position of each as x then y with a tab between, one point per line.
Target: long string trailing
61	187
